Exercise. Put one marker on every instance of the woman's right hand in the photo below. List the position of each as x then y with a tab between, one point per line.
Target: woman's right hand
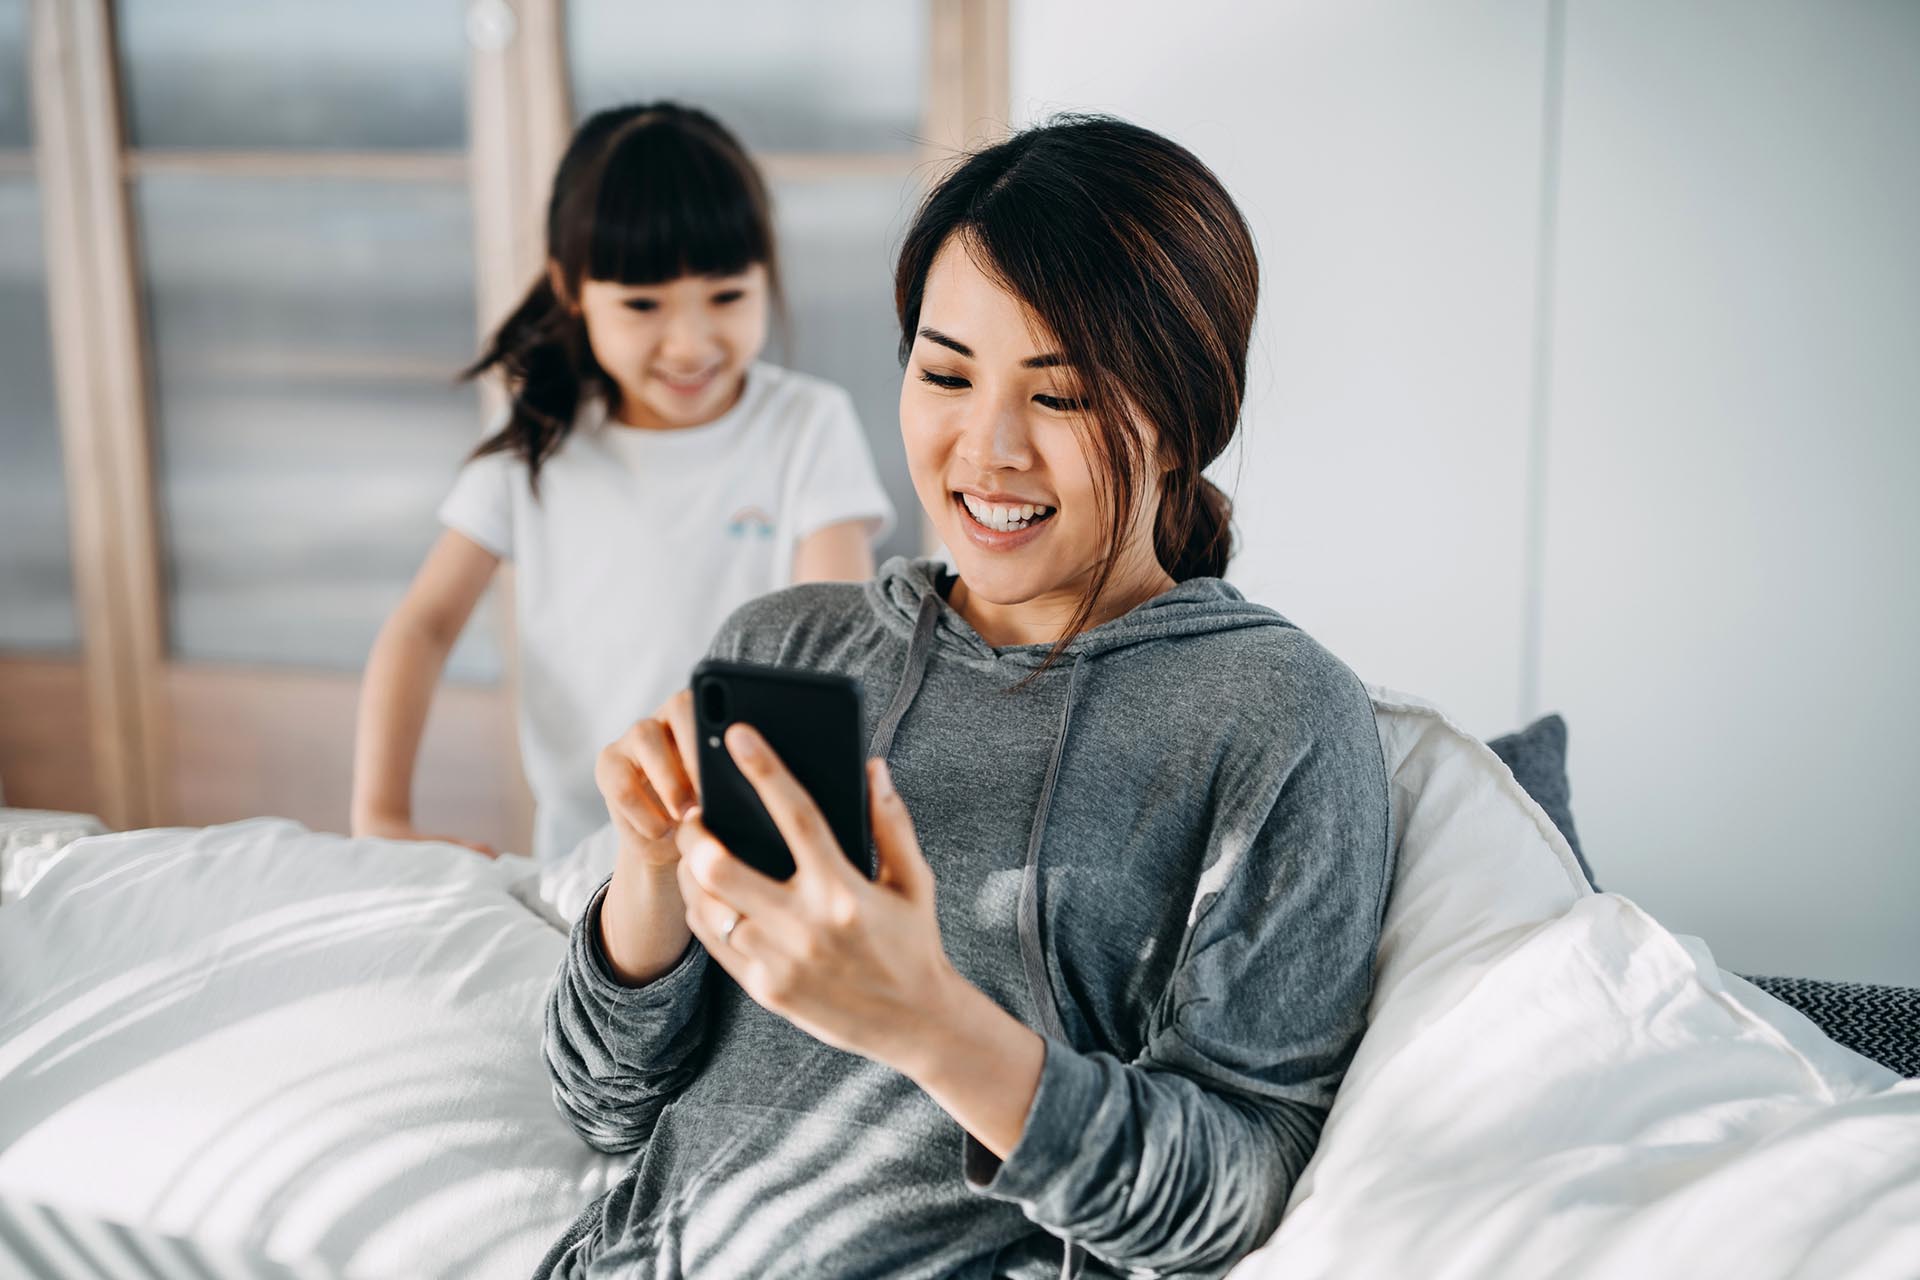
647	778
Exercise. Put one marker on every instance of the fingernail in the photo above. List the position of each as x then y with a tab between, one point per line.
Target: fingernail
883	778
743	741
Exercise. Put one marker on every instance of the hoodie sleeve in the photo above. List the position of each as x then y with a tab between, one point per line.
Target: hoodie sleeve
1182	1160
618	1054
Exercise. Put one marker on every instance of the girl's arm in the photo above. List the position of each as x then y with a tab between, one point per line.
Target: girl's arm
401	673
840	552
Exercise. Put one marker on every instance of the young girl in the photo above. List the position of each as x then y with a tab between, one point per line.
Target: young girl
1131	829
653	473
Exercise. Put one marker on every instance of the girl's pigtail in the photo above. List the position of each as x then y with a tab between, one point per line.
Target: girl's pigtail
539	350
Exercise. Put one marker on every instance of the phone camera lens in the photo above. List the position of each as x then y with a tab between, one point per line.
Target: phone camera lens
713	702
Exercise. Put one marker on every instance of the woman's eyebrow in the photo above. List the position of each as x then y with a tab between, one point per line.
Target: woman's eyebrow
1048	361
934	335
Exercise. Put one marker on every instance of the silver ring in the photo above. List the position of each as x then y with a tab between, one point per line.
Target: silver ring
726	930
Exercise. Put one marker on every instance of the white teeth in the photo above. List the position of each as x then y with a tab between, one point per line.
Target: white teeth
1005	519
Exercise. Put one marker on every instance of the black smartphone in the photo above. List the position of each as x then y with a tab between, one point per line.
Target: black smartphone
813	722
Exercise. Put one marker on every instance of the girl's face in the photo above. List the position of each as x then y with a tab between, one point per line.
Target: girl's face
988	415
678	350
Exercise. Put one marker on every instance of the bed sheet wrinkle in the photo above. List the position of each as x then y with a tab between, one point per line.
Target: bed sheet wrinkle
329	1050
196	1161
286	938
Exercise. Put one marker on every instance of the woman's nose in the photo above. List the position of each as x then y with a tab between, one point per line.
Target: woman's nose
994	438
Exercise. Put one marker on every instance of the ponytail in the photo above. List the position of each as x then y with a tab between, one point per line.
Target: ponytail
542	351
1192	533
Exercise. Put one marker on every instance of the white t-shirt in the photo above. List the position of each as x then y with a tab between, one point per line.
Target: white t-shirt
640	543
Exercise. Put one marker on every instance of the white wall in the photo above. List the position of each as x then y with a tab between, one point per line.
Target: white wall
1732	605
1388	164
1711	263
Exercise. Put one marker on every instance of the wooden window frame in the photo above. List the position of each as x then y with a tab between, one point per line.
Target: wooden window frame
100	389
519	118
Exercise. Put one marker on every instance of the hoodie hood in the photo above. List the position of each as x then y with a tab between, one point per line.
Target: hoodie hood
1197	606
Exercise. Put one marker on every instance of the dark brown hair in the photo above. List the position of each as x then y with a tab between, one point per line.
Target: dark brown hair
645	194
1133	256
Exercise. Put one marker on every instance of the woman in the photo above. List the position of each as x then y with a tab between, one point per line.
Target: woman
1092	1017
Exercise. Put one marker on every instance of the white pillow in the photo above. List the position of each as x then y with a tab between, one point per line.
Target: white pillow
313	1047
1551	1084
1475	857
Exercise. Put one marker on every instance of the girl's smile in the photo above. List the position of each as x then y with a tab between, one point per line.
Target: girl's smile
678	351
687	384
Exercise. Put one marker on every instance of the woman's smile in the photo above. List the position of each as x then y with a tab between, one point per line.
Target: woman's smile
1001	526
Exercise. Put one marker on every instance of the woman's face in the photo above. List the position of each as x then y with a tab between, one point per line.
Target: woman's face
678	350
988	413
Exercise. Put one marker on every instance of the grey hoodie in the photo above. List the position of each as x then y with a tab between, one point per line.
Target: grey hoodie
1169	855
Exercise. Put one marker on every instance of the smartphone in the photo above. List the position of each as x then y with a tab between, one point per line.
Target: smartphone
813	722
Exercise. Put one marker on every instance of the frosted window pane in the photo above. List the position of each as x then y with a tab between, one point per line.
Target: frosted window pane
346	74
837	242
13	73
36	576
305	339
784	76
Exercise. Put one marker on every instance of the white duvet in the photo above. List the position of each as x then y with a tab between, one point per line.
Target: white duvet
277	1052
310	1048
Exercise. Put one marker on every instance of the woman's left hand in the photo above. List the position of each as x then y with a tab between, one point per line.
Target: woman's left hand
855	963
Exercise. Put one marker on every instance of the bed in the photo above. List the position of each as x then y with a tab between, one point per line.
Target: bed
257	1050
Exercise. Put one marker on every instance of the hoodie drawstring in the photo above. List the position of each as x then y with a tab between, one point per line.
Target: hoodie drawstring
1039	981
918	650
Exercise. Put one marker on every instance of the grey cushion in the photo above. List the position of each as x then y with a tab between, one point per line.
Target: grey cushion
1537	755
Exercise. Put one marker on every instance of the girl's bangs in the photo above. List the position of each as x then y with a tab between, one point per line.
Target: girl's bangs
671	205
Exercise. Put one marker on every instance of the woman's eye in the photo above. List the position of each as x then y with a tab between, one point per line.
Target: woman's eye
641	304
1059	405
942	380
729	295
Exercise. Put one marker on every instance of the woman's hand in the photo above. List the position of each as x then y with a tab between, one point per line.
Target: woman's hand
647	778
855	963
